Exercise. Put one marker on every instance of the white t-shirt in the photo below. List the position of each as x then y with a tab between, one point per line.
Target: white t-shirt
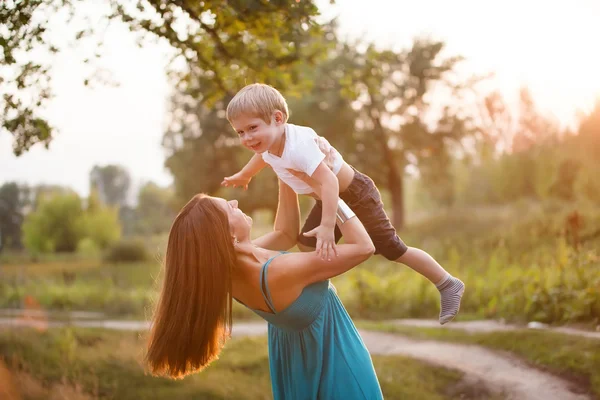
301	153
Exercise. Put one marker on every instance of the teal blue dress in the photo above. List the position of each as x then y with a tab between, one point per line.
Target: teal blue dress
315	351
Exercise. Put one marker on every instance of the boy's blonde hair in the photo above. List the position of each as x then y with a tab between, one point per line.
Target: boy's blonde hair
258	100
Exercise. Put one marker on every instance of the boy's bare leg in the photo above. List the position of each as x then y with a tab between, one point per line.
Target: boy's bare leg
451	288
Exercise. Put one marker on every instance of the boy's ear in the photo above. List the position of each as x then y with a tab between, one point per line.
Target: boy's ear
278	117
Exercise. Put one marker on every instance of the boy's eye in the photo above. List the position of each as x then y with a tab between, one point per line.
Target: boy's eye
253	127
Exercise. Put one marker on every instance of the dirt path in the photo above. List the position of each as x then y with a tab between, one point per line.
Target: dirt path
492	326
500	372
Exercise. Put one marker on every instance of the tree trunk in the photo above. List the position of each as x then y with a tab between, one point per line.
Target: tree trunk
395	181
396	187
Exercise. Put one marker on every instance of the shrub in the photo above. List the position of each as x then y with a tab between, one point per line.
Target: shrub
126	251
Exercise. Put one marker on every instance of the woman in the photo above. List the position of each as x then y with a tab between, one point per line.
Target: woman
315	351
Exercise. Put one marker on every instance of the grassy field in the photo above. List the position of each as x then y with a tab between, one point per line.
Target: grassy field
520	263
107	365
517	262
574	358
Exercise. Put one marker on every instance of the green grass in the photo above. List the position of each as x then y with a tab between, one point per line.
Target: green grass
574	358
117	290
107	364
17	258
517	264
515	260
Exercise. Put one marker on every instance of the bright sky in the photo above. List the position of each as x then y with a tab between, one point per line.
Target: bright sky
549	46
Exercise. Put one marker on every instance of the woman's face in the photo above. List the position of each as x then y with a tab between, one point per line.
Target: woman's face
239	223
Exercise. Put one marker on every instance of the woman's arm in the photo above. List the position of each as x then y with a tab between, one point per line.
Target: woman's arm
287	222
302	269
290	273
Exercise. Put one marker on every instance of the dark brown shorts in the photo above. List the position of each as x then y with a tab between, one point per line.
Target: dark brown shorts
365	200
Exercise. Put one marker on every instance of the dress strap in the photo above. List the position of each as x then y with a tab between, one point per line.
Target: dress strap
263	281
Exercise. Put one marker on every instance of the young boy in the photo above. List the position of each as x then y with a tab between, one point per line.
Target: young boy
259	115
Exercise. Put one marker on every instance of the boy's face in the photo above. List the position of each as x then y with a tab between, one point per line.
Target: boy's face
255	134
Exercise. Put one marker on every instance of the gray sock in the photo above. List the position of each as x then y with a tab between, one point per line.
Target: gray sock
451	290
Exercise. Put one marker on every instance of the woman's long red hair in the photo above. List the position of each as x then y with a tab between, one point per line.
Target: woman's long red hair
192	318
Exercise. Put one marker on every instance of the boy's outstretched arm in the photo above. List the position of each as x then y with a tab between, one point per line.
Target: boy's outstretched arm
243	177
330	191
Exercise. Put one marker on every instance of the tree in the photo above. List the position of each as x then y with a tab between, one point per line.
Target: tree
435	160
496	127
34	195
21	76
327	105
533	127
154	213
99	223
112	183
586	147
54	226
588	140
61	222
11	215
393	87
201	146
226	43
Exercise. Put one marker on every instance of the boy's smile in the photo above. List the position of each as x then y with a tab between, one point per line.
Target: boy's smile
255	134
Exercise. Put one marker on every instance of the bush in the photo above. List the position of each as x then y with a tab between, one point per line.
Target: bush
53	227
101	226
126	251
87	247
60	223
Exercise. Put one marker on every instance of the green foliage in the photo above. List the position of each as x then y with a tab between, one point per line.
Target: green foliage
223	44
202	146
54	225
154	212
587	184
394	85
127	251
25	82
226	45
100	223
517	263
87	247
59	224
547	166
11	215
101	226
516	260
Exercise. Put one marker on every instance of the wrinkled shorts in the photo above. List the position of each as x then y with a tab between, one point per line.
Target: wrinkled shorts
363	197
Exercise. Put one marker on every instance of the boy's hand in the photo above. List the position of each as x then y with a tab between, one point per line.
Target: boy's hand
326	247
325	235
237	180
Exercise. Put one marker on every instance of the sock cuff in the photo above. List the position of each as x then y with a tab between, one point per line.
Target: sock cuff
443	281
